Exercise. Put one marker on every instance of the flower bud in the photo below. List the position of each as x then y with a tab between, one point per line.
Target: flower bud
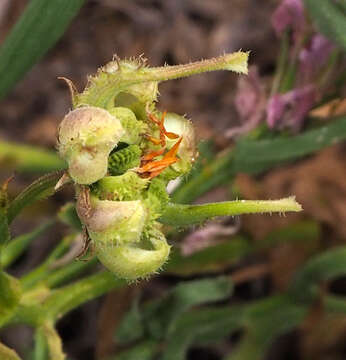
187	149
87	135
133	128
130	261
124	242
112	222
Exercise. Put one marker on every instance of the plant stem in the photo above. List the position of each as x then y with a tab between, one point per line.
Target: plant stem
71	296
42	271
233	62
68	272
183	215
19	244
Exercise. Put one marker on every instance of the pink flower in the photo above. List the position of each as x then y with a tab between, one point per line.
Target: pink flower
249	102
290	109
289	14
313	57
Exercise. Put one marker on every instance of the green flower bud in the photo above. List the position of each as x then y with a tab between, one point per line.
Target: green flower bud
133	128
132	262
115	222
87	135
124	241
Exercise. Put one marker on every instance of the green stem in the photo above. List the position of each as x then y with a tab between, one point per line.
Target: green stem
71	296
38	190
40	350
68	272
19	244
232	62
281	64
42	271
183	215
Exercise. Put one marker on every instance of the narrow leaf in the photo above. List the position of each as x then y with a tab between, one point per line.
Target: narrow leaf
162	315
329	18
10	295
19	244
322	267
38	190
26	158
213	258
38	29
253	157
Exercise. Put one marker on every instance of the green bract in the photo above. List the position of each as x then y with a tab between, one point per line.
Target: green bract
122	152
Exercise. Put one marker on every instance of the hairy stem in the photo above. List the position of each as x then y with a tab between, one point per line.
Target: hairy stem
183	215
233	62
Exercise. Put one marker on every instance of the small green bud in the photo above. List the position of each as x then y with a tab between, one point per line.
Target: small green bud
133	128
125	241
87	135
132	262
116	222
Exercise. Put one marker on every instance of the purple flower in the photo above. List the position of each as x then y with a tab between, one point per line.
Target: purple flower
290	109
249	102
290	13
313	57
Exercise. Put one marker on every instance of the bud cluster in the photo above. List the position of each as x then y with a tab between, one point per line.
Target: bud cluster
122	152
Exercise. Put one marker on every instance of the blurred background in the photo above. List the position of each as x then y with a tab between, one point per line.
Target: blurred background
174	32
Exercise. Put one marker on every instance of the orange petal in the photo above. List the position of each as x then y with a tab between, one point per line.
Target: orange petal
173	152
171	135
153	154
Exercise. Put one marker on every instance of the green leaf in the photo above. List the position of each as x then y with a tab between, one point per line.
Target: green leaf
38	29
253	157
26	158
38	190
10	294
143	351
66	273
131	327
213	258
73	295
305	232
19	244
183	215
161	315
322	267
256	156
330	19
264	321
202	326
